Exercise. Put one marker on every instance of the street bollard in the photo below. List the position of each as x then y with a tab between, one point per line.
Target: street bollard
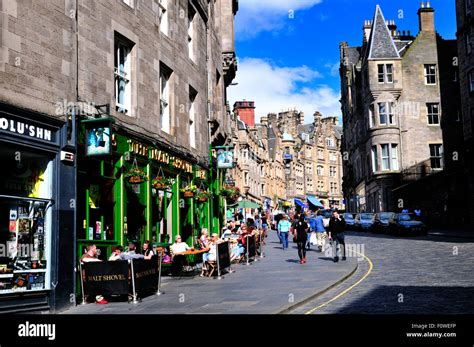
135	300
160	258
84	302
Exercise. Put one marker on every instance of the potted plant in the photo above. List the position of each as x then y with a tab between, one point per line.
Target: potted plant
230	193
136	175
189	191
161	182
203	195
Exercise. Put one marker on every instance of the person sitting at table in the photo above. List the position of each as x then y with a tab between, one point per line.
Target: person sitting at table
131	253
203	240
148	250
211	254
116	253
91	255
177	250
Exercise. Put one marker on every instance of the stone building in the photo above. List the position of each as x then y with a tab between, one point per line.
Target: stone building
392	111
311	157
465	32
251	166
111	86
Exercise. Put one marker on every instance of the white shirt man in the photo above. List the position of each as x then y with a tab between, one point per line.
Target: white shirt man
179	247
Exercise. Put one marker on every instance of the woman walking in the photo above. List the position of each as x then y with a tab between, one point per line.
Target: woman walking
301	231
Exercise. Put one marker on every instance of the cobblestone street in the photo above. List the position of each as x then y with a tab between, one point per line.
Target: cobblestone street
419	275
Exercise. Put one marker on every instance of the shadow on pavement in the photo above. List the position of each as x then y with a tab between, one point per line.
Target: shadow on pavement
413	300
415	238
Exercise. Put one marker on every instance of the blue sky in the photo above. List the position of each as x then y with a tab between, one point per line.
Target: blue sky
288	50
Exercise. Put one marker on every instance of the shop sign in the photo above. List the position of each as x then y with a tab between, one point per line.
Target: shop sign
166	158
225	157
201	174
159	156
98	136
18	127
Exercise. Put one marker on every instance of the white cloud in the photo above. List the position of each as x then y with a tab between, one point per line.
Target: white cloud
333	68
275	89
255	16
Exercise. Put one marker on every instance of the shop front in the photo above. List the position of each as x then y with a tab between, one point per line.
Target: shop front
36	221
136	192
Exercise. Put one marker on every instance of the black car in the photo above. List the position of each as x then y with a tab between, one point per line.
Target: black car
406	224
382	222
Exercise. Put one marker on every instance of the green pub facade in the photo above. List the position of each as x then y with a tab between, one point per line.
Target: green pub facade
115	209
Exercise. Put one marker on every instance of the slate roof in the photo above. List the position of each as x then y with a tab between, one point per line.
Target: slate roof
401	45
353	54
241	125
381	41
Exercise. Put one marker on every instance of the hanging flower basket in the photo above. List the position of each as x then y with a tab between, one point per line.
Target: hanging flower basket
189	191
136	175
230	193
161	183
203	195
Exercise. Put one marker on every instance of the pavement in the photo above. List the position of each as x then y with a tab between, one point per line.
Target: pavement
271	285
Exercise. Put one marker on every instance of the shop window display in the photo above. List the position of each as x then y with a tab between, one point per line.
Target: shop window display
25	229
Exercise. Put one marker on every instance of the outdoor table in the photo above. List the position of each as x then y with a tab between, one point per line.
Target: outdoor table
192	252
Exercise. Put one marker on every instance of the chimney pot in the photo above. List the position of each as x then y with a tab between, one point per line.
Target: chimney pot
422	4
428	5
403	33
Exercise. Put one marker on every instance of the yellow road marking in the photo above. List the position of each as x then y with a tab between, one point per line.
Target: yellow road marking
371	266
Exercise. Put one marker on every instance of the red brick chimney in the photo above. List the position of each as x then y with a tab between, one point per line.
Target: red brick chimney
426	17
245	110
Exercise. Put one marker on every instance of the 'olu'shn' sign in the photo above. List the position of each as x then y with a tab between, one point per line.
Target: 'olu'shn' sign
22	128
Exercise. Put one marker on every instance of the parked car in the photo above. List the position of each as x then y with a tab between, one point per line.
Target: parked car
350	221
382	222
406	224
364	221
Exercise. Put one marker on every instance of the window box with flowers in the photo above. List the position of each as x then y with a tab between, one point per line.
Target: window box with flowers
189	191
136	175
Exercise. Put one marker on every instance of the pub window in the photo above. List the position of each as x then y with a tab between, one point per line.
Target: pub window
436	156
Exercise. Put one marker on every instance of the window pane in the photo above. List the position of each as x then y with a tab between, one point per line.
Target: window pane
389	73
394	157
383	113
380	73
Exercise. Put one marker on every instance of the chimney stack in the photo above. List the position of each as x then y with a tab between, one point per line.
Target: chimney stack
367	30
393	28
426	17
245	110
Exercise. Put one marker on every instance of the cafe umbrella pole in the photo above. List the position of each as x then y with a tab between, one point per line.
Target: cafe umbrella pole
219	277
261	244
247	255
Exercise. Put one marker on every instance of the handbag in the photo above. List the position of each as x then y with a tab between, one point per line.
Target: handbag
313	240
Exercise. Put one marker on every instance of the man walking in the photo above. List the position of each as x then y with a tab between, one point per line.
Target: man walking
320	230
337	226
284	228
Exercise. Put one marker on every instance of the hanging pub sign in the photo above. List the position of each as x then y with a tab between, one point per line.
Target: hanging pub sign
98	136
225	157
